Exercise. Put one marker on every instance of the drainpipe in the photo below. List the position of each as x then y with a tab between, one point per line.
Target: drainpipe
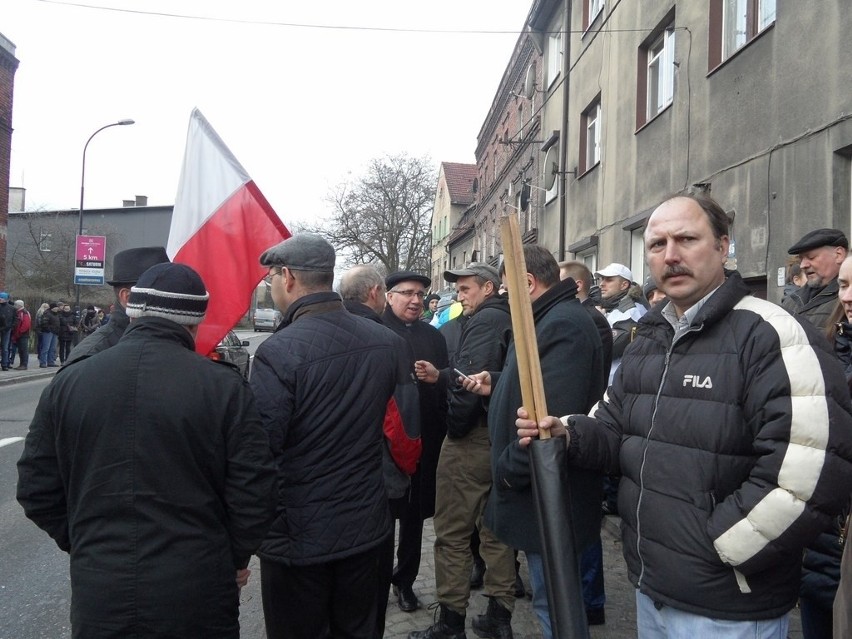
563	138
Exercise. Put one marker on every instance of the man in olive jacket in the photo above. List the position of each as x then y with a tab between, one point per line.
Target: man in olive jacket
157	479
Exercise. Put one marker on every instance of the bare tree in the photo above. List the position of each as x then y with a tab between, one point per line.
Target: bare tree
384	217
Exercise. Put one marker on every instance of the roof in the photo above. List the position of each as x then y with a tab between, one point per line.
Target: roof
459	178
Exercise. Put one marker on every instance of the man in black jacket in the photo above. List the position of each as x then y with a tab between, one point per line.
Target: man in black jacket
464	469
405	293
571	358
322	383
730	422
157	479
127	266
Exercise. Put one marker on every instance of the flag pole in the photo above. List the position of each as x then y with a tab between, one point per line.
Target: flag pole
548	456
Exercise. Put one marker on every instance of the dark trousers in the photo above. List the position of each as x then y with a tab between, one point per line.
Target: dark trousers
64	350
384	582
591	570
23	345
407	510
335	599
816	620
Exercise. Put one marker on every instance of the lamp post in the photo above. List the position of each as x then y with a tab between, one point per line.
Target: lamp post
125	122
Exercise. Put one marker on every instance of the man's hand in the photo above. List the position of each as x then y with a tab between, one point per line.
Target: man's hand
479	383
243	577
425	371
528	429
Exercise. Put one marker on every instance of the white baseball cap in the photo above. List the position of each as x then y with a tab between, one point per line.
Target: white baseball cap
616	269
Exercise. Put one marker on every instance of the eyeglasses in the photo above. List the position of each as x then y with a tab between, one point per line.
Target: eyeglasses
410	293
271	275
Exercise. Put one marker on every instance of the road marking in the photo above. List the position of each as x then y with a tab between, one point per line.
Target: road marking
10	440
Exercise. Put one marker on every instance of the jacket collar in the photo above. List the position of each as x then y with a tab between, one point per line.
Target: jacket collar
361	310
315	303
565	290
159	328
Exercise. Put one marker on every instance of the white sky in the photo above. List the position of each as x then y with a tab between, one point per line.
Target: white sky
300	108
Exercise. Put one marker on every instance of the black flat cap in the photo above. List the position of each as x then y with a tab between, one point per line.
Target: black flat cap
406	276
128	266
820	237
302	252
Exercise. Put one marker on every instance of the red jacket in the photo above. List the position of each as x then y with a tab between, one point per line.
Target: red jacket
22	327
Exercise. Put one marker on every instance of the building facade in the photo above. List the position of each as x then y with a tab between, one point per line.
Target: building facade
746	99
455	193
8	66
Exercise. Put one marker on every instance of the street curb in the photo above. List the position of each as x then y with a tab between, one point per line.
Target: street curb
22	376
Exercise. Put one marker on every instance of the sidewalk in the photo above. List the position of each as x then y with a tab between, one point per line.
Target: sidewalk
12	376
620	607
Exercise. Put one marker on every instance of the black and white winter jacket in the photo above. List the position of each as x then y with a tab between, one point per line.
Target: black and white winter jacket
734	443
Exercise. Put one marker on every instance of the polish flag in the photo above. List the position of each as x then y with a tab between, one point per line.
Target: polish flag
220	225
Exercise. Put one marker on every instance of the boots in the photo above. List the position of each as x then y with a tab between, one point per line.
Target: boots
496	623
450	625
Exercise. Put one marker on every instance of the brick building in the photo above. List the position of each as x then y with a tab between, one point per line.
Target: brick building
8	66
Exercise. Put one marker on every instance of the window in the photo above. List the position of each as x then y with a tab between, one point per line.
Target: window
660	74
735	23
45	242
591	10
637	254
590	136
554	58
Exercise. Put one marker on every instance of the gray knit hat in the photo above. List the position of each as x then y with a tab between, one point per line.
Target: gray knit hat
172	291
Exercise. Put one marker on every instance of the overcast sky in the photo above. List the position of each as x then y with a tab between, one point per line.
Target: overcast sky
299	106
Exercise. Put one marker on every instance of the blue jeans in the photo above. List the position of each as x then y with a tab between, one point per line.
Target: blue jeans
539	589
47	348
671	623
591	570
5	343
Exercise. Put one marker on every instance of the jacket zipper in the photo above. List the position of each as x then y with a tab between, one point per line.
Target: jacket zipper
645	451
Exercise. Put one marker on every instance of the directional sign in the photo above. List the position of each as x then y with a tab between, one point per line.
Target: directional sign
90	258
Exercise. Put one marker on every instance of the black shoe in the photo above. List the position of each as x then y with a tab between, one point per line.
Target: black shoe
448	625
496	623
477	573
595	616
405	598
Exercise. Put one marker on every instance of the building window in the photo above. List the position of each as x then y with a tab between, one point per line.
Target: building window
591	9
590	136
554	58
637	255
45	242
735	23
659	74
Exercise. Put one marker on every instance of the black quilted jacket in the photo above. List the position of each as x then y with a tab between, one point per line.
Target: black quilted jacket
734	444
322	382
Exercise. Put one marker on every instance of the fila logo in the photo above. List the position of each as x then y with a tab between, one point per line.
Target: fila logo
696	382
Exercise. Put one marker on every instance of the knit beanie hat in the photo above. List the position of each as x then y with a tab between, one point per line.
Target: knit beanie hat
172	291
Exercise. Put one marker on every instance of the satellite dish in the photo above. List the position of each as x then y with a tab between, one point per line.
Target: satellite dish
551	167
529	82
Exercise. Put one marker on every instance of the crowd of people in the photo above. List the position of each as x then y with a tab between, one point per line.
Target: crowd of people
718	425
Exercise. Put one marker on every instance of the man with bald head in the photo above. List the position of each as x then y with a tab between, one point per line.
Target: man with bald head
729	420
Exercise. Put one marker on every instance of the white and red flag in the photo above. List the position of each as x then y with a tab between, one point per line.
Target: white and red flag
220	226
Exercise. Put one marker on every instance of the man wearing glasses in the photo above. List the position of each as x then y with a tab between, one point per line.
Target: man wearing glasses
322	382
406	291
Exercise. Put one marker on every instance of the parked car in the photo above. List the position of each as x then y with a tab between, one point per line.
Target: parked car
266	319
234	351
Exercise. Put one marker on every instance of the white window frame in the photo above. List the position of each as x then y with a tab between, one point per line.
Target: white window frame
593	136
554	58
589	257
765	14
595	7
660	73
637	254
734	26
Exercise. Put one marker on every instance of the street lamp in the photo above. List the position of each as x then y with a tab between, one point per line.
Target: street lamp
125	122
